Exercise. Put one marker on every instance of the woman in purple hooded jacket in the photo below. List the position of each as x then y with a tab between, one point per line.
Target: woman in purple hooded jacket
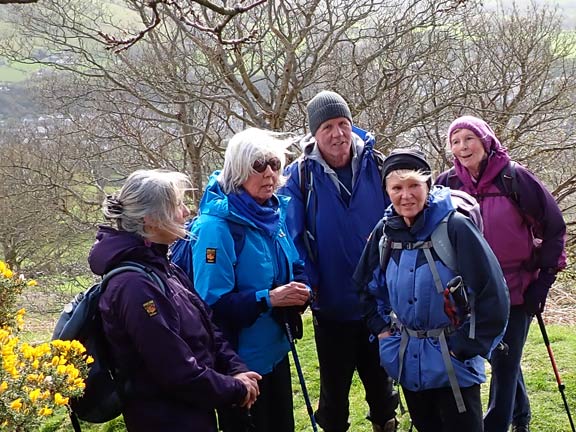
526	232
177	365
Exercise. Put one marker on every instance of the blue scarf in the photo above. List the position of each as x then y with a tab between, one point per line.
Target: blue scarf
265	216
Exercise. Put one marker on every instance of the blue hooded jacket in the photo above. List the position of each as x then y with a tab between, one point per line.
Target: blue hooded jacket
237	287
407	288
341	230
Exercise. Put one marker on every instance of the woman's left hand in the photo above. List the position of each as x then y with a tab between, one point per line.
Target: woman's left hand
291	294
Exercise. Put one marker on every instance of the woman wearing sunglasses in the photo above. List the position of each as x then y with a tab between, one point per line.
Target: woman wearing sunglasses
249	282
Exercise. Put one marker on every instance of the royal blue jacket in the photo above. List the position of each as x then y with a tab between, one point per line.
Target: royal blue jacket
407	288
178	365
340	229
237	287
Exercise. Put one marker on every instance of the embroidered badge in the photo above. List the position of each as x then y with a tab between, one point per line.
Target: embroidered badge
210	255
150	308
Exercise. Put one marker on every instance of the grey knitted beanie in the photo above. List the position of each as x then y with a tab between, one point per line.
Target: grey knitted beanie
326	105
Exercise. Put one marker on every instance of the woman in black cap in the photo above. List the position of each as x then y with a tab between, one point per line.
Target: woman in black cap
431	341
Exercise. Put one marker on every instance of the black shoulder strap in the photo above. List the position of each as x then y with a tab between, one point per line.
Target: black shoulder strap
509	183
384	249
452	180
306	187
379	159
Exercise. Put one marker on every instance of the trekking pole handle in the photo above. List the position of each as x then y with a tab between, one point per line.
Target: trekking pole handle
454	283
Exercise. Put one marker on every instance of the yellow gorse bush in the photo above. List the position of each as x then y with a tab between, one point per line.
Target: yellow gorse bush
34	379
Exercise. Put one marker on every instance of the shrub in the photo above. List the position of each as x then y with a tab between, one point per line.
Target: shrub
34	380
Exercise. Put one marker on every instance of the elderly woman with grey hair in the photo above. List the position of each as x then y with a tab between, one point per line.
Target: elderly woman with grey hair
248	270
178	367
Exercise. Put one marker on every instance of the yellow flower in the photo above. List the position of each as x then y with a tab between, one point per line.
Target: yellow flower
34	395
45	411
78	384
2	266
31	283
27	351
60	400
3	387
89	360
16	404
8	273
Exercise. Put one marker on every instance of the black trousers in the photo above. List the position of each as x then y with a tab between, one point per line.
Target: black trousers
273	410
436	411
344	347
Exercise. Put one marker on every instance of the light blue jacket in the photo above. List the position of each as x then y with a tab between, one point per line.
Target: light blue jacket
237	287
407	288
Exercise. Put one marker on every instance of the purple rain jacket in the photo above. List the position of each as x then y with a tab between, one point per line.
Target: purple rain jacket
178	366
505	227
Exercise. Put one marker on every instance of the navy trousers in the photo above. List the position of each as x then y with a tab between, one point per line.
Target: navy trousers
435	410
508	401
342	348
273	410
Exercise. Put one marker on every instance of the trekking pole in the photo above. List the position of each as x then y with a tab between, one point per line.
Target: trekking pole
561	386
300	376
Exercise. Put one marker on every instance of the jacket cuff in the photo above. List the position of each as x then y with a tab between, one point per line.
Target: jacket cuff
263	300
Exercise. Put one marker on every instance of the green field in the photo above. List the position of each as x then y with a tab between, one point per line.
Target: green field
548	414
16	72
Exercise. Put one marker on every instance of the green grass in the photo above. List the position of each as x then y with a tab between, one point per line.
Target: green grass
548	414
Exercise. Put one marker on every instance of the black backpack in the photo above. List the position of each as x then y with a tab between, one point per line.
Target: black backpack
181	252
80	320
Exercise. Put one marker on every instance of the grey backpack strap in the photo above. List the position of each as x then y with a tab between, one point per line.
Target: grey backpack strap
472	332
451	373
434	270
439	333
443	246
425	246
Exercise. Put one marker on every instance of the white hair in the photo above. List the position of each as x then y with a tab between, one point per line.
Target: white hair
246	147
153	193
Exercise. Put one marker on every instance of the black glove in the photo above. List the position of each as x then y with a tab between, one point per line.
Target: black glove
292	316
535	295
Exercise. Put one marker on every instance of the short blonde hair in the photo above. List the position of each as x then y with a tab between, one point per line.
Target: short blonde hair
408	174
153	193
244	149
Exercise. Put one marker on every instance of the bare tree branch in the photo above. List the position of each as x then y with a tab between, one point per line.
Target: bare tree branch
190	17
17	1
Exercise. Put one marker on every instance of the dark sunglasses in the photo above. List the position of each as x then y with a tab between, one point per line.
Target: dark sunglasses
260	165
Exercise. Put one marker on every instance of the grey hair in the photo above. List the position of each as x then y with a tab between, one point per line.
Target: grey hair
246	147
153	193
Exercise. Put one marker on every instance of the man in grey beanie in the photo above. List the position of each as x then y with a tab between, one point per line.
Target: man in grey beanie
337	198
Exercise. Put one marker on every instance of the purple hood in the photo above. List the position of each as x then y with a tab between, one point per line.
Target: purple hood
113	246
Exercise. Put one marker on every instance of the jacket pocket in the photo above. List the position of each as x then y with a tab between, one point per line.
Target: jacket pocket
389	354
